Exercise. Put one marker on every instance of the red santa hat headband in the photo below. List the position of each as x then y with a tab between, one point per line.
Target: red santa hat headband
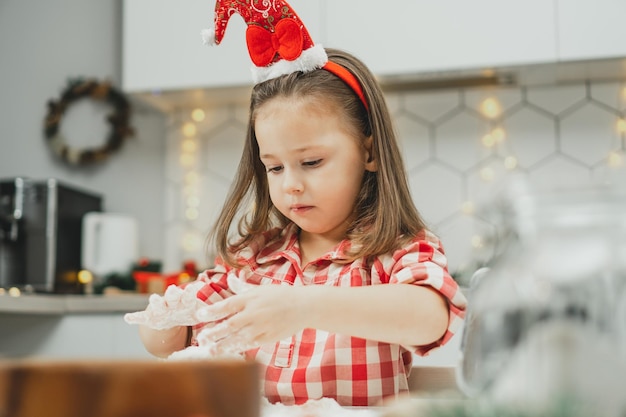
277	41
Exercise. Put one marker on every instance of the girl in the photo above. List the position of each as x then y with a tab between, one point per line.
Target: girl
348	282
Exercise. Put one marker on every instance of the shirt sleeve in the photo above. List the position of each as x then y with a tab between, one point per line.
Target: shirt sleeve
423	262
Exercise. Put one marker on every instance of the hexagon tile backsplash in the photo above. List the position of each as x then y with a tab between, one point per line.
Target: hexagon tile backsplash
460	146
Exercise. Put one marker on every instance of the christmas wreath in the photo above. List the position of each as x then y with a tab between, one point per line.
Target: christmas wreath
119	121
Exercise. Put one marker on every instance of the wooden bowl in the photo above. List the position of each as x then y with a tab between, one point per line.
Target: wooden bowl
228	388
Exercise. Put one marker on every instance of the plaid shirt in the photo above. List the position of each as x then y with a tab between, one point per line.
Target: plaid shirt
312	363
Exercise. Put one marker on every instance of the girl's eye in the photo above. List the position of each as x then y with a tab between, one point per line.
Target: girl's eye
275	169
312	163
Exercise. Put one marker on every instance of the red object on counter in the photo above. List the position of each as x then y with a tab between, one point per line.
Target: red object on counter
154	282
190	268
143	262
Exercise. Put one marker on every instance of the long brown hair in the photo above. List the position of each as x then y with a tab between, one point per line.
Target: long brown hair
385	213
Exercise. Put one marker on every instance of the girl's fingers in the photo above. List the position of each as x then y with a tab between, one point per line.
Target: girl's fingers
156	302
211	313
211	335
172	295
135	318
226	338
218	311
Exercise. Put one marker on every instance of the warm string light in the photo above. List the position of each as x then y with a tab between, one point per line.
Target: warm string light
198	115
487	174
621	125
467	208
189	190
192	178
192	210
193	201
495	137
491	108
187	160
190	129
488	141
191	241
189	145
510	163
85	276
191	213
498	134
615	159
477	242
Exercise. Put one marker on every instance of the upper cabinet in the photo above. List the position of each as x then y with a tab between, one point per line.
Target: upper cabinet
163	49
591	29
408	36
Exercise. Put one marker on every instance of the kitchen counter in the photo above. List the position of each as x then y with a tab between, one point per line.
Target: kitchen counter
71	304
63	326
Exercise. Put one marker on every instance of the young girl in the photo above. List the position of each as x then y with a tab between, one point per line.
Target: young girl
348	282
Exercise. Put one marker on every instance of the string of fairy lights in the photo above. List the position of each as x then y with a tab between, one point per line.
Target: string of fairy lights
490	108
192	187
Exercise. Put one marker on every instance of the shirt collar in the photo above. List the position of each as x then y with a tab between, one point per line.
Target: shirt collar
283	243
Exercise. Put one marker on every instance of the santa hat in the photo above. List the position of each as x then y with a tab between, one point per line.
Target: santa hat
277	41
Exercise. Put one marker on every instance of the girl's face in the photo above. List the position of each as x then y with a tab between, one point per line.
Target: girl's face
314	164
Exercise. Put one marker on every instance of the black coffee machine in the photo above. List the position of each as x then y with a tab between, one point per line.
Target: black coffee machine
40	234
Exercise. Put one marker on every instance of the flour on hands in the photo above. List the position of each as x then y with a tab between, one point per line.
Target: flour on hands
208	347
177	307
181	307
229	340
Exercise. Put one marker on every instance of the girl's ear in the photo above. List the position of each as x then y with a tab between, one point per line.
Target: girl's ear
370	163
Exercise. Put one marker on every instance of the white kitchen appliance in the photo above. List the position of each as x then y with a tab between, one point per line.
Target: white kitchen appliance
110	243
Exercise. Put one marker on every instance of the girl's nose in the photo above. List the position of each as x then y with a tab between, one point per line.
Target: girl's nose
292	183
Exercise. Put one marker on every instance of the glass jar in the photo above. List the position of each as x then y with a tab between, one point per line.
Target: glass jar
562	268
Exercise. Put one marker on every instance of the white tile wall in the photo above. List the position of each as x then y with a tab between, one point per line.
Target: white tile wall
559	136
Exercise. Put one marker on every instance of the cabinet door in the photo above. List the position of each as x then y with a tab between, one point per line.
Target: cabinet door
408	36
591	29
163	49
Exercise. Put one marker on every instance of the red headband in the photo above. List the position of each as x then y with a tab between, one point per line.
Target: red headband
277	41
348	78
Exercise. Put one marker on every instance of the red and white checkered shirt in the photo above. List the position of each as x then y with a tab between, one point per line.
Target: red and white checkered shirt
312	363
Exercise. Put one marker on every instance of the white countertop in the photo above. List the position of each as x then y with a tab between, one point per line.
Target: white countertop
71	304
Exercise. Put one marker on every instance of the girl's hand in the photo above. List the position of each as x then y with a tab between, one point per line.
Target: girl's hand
255	316
177	307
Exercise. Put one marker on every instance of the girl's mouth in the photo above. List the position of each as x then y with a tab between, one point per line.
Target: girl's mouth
300	208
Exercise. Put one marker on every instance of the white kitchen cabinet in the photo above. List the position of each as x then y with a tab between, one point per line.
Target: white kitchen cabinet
409	36
591	29
70	326
163	49
70	336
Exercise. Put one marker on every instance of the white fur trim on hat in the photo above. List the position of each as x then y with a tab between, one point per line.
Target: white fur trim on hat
310	59
208	36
